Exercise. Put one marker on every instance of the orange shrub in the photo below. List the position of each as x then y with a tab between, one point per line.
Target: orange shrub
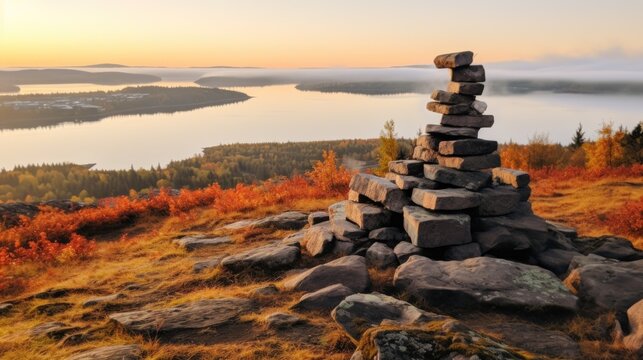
627	220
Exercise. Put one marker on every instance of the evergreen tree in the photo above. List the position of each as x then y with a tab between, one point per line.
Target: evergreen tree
388	150
579	138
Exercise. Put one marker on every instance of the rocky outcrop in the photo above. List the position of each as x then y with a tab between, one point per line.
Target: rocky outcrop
483	281
191	243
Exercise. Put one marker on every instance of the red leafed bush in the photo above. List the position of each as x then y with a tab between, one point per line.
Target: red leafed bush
627	220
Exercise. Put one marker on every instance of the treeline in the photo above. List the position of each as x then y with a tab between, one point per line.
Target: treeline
226	165
613	147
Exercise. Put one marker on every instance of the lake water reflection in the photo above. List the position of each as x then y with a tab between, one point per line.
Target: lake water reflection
282	113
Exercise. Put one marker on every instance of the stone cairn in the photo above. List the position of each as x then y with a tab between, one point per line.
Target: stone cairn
453	200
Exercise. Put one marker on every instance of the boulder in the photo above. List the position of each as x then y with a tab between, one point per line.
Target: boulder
103	299
471	73
113	352
582	260
209	263
499	240
317	217
290	220
470	180
515	178
366	216
445	97
406	167
380	256
618	248
238	225
295	239
388	235
446	199
532	227
452	131
634	341
498	200
471	121
343	248
269	257
469	163
483	281
266	290
467	147
349	271
359	312
453	60
323	299
191	243
465	88
609	286
319	239
461	252
556	260
379	190
448	109
195	315
429	230
406	182
404	250
444	340
280	320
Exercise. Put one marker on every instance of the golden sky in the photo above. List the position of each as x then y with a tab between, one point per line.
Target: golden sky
307	33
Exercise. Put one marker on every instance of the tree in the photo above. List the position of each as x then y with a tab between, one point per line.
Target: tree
607	150
388	150
633	145
579	137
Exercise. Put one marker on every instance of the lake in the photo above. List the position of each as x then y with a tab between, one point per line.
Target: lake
282	113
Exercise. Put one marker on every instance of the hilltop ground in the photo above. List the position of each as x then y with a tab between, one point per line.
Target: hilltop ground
141	262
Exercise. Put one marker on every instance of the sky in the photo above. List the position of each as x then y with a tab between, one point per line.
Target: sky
310	33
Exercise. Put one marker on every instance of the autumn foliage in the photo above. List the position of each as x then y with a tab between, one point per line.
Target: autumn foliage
56	236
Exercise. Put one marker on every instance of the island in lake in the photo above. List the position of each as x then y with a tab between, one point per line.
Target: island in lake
29	111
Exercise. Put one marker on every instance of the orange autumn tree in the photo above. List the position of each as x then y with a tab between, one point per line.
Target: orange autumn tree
514	156
607	151
328	176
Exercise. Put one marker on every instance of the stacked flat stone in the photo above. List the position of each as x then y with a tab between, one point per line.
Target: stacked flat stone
453	199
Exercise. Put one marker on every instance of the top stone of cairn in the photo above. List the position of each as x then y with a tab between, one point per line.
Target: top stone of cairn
453	60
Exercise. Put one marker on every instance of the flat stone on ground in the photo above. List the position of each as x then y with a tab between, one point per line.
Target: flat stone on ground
191	243
350	271
470	73
452	131
195	315
280	320
515	178
290	220
269	257
430	230
114	352
470	180
453	60
446	199
472	121
483	281
209	263
475	162
406	167
103	299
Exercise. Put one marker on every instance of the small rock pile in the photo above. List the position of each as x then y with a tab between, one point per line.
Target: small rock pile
453	199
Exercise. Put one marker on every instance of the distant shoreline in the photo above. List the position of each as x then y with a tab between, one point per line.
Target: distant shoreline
172	100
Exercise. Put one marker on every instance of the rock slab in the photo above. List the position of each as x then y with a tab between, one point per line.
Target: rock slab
431	230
